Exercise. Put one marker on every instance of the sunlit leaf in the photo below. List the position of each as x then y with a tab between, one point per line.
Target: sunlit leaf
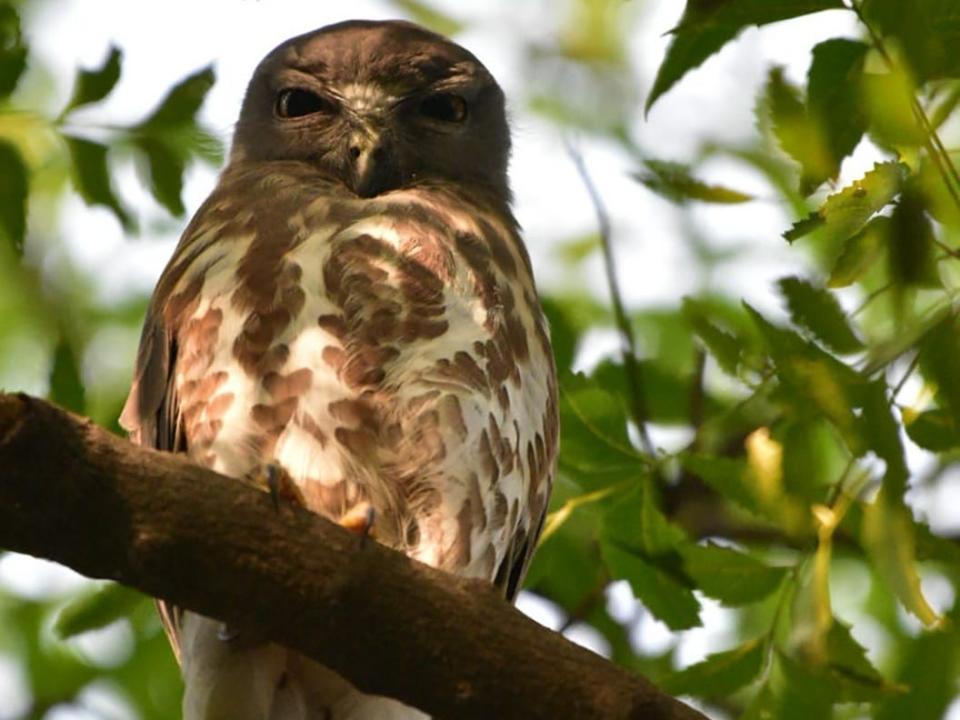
860	252
429	16
730	576
13	190
13	52
817	310
91	86
800	136
96	609
676	183
833	97
888	100
91	177
933	430
708	25
719	674
845	212
66	385
888	537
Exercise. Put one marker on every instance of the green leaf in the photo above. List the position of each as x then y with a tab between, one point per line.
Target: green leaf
933	430
182	102
575	251
636	522
728	477
13	190
66	385
799	136
429	16
96	609
718	675
927	31
662	594
888	100
882	433
676	183
166	173
595	440
928	665
888	537
939	350
845	212
730	576
911	241
833	97
708	25
851	673
92	178
817	310
724	346
13	53
814	380
92	86
860	252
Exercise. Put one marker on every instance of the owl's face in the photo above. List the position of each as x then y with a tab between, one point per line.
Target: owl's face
377	106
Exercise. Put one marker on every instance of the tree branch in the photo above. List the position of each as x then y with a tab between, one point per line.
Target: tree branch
73	493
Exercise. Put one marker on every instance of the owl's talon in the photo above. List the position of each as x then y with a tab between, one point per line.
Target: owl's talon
360	520
274	479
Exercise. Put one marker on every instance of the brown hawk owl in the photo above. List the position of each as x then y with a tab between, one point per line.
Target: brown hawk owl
353	307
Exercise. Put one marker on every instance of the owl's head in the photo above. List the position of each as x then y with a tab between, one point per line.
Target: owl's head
378	106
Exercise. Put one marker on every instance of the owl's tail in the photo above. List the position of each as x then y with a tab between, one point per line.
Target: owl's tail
239	680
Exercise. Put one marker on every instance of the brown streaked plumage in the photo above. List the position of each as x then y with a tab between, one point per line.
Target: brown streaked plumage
353	303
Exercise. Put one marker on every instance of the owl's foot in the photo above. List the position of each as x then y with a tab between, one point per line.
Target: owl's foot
274	479
360	520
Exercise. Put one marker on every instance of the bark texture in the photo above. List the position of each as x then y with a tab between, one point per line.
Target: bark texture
73	493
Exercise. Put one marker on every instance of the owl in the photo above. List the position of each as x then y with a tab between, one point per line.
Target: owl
351	315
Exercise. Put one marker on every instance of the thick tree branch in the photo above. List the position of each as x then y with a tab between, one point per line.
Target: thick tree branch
75	494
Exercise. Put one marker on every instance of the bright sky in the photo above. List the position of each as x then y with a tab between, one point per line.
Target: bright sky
716	101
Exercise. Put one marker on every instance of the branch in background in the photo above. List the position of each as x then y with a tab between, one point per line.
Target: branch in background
75	494
631	366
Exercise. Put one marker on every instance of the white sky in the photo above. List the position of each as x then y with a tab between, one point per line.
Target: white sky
716	101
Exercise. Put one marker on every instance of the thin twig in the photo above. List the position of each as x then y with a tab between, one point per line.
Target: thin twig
906	375
634	373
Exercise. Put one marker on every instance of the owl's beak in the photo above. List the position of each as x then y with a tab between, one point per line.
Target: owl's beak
374	168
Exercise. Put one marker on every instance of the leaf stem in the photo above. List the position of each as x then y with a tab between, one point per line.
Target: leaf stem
634	373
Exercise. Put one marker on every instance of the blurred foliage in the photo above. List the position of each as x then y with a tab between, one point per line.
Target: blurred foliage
805	440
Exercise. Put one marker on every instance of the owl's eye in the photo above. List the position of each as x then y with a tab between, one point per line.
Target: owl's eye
445	107
296	102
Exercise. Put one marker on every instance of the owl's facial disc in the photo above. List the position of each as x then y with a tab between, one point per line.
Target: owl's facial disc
377	106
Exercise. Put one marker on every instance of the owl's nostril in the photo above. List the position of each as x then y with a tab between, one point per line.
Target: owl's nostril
355	152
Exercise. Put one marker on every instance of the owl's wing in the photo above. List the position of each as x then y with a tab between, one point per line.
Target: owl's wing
151	416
